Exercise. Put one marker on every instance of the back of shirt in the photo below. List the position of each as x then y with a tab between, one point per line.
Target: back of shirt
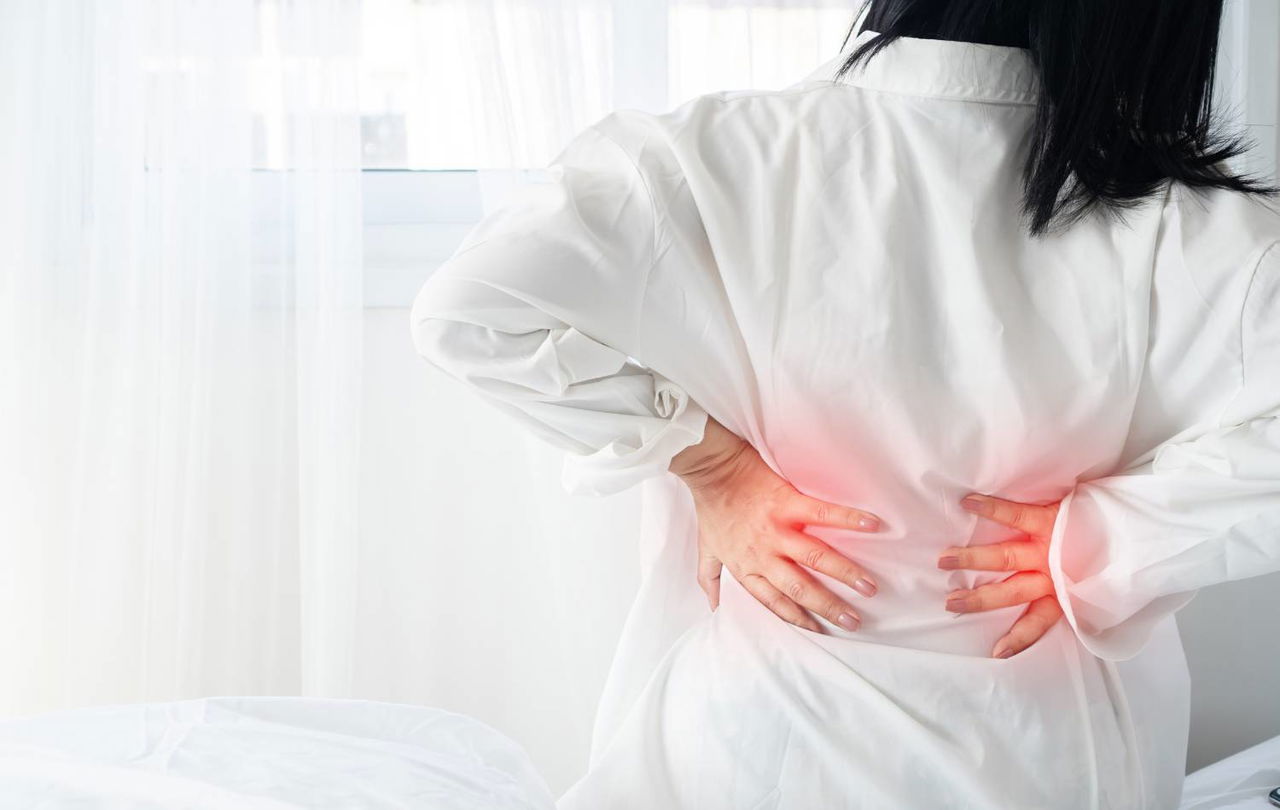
839	273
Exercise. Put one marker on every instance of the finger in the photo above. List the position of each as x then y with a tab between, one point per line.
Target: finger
1018	589
802	588
811	552
1039	616
778	602
814	512
709	569
1031	518
1008	555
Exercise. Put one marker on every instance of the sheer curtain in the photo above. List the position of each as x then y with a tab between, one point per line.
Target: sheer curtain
180	302
516	79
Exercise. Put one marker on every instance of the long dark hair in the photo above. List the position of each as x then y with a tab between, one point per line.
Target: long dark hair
1126	93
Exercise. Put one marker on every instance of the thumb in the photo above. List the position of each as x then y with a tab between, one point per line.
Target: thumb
709	569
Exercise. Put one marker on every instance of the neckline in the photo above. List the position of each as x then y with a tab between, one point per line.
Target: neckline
940	68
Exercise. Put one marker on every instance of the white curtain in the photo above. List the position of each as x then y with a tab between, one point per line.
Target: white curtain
514	80
180	349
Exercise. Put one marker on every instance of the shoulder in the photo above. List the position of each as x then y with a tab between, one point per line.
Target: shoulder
708	121
1219	238
1213	222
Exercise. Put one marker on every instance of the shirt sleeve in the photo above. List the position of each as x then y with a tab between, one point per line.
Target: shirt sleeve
1129	549
539	311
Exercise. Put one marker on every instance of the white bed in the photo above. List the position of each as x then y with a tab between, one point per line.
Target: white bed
263	754
288	753
1239	782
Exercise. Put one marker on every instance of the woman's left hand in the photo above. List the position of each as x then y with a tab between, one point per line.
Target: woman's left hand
1029	558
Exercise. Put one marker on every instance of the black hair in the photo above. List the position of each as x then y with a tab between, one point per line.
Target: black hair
1125	98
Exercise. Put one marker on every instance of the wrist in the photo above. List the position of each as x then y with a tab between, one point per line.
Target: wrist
701	463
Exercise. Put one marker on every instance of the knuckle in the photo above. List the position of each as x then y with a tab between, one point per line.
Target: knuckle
1017	514
796	590
1008	559
822	512
813	556
773	601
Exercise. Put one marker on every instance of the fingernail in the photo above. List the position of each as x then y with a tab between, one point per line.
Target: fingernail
848	621
949	563
974	504
1003	651
956	604
869	524
865	586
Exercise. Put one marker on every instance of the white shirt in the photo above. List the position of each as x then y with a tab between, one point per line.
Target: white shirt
838	273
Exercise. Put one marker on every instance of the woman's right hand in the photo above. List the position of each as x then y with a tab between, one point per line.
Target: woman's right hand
750	519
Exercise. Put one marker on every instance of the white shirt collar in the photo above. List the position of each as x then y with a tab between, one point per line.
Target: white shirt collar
936	67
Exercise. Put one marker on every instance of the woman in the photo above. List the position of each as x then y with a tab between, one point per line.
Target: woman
990	250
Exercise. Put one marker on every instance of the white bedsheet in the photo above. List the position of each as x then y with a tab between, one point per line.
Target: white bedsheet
1239	782
263	754
288	753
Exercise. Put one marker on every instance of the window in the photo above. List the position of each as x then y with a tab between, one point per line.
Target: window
452	87
460	98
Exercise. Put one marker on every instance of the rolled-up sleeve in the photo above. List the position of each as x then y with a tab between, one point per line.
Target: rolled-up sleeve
540	312
1129	549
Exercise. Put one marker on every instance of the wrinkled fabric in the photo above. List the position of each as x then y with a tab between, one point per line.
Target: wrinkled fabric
262	753
839	273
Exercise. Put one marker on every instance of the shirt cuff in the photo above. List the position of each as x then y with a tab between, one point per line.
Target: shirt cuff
1110	617
625	462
